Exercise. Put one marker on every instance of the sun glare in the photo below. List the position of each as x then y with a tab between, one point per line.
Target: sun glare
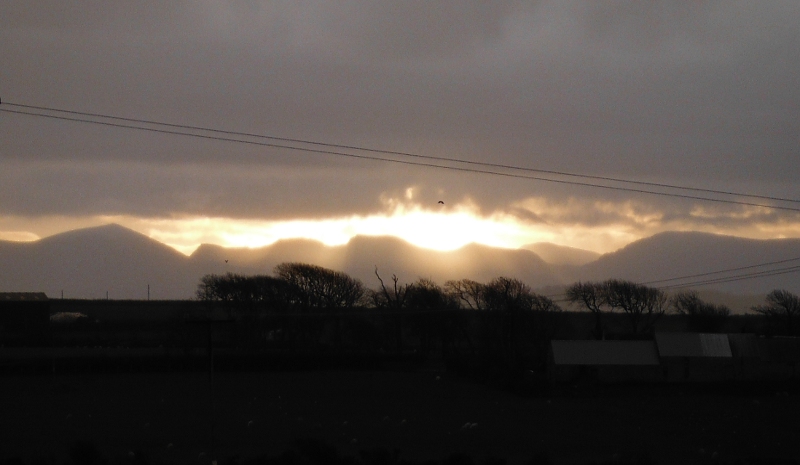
18	236
427	229
443	231
438	227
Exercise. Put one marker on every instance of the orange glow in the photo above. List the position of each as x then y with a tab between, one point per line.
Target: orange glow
599	226
18	236
423	228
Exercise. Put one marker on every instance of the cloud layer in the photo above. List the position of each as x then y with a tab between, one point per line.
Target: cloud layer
700	94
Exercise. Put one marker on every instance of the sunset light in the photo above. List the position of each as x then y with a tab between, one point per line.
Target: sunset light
442	231
435	193
598	226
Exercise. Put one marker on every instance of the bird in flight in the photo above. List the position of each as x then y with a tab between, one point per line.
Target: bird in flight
226	261
441	202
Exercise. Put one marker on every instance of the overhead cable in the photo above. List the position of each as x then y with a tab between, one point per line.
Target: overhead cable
404	154
407	162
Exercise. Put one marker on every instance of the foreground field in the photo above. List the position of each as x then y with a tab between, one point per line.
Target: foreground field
180	418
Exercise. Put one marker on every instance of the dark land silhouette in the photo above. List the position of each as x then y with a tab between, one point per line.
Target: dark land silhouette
115	261
316	382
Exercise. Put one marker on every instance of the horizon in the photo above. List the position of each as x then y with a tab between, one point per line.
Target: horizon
112	260
587	125
234	245
249	234
188	251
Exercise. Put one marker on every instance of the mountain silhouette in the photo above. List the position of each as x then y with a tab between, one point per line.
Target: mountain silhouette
392	256
677	254
561	255
88	263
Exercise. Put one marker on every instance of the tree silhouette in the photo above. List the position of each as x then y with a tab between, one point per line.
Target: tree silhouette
468	292
315	287
507	295
642	304
392	299
700	316
431	314
254	301
425	294
592	296
781	310
312	288
519	320
238	292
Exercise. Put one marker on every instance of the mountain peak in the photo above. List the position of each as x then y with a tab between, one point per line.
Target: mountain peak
669	255
115	259
561	255
110	230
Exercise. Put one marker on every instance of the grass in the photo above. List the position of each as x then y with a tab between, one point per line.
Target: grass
173	418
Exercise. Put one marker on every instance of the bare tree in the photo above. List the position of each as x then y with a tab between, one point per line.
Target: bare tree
393	297
541	303
642	304
782	309
592	296
700	315
469	293
507	294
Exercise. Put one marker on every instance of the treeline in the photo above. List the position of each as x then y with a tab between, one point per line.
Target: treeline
501	323
302	288
304	307
500	330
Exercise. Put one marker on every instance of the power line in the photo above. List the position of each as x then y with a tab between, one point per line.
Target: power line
741	277
720	280
723	271
404	154
456	168
412	163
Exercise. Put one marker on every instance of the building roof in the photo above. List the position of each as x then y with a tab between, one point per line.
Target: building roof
604	353
23	296
693	345
744	345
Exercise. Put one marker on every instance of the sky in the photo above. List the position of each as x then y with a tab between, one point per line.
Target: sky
691	94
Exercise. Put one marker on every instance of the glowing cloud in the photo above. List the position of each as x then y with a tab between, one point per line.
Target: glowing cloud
18	236
439	230
600	226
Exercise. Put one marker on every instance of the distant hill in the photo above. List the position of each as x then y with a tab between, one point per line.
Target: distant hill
87	263
678	254
562	255
390	255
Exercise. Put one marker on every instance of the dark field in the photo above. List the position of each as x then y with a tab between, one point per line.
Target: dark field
167	418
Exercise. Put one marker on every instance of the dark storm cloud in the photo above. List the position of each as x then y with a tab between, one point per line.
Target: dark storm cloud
691	93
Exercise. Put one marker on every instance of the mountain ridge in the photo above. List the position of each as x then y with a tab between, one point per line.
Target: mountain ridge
672	254
116	261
